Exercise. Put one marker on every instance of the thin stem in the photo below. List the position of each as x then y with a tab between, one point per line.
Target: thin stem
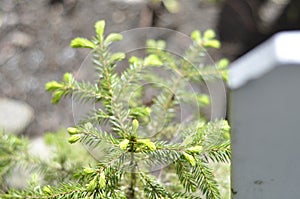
168	102
131	189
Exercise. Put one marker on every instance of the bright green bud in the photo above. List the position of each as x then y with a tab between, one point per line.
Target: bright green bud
172	5
212	44
88	170
133	60
92	185
151	43
102	181
148	110
204	99
196	35
148	143
160	44
209	34
113	37
189	158
72	130
138	149
223	63
124	144
68	77
194	149
56	96
99	27
46	189
225	125
74	139
152	60
82	43
225	75
53	85
135	125
227	135
117	57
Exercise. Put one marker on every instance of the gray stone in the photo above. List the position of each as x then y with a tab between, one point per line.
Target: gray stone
10	19
18	178
15	116
7	51
38	148
264	118
21	39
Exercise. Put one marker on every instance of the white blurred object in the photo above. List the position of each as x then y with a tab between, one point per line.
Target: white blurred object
15	116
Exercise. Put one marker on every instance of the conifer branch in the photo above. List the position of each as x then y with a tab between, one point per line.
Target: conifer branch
122	158
204	179
219	153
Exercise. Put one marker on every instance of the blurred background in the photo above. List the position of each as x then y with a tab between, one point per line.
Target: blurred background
35	37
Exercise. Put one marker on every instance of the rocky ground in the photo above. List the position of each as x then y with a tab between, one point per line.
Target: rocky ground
34	45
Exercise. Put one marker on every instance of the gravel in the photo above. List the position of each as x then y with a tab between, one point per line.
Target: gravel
34	45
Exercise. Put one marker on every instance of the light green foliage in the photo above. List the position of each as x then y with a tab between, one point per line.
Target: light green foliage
99	27
208	40
124	144
152	60
137	145
61	166
82	43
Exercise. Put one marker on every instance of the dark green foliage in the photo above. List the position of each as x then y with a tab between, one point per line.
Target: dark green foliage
135	157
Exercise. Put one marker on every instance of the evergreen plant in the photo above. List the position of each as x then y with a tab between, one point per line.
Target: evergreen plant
144	151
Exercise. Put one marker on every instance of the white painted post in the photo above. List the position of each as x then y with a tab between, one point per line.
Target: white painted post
265	119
